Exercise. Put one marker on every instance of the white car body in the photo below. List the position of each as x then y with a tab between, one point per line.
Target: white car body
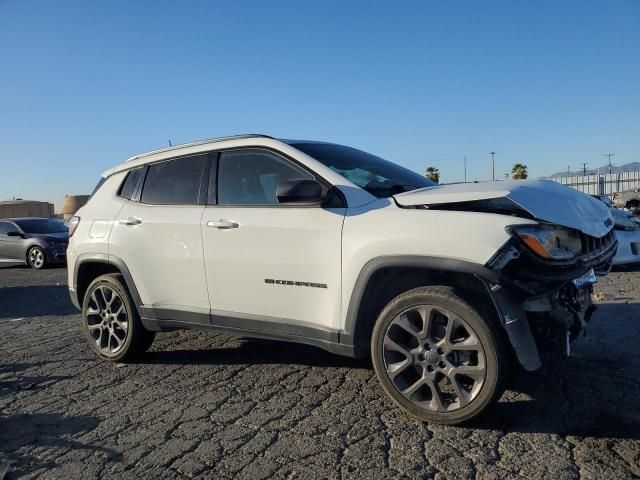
297	272
627	229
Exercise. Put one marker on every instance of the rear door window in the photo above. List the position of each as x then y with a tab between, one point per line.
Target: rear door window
174	182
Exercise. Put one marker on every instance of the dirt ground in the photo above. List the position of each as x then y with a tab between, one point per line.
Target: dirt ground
210	406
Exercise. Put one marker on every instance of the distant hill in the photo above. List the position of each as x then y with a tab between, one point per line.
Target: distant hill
627	167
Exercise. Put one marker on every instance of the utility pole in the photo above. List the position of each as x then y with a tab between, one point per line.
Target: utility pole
493	162
568	170
609	155
465	169
170	143
584	169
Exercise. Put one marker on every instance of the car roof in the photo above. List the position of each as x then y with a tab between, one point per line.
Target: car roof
192	148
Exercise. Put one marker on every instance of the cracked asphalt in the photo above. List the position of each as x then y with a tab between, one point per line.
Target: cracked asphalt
210	406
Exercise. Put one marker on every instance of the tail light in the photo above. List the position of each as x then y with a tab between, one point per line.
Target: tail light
73	224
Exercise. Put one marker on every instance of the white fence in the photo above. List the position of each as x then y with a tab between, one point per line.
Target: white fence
606	184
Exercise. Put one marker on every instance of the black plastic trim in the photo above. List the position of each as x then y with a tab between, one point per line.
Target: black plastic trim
108	260
414	261
254	326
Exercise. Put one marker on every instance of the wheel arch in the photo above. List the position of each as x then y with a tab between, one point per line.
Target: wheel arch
88	267
383	278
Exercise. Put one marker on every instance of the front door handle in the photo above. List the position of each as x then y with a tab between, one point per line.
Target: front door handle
222	224
131	221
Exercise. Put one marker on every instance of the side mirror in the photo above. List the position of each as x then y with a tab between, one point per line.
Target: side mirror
300	190
14	233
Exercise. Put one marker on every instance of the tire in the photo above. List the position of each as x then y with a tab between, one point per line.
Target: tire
110	320
415	359
36	258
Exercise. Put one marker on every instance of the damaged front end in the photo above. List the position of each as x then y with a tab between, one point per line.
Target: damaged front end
547	269
546	302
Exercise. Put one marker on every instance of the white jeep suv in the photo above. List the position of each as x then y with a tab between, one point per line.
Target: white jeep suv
446	287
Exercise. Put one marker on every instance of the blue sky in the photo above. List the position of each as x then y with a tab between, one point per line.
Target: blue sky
84	85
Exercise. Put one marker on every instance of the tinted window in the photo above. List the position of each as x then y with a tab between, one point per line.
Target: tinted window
251	177
175	182
42	225
377	176
129	184
6	227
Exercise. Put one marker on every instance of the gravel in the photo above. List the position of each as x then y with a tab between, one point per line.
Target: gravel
211	406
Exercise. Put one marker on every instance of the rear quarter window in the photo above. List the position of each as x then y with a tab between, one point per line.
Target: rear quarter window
128	187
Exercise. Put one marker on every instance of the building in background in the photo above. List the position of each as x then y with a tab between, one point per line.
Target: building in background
25	208
72	204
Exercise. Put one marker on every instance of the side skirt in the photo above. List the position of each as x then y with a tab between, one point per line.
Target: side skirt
251	326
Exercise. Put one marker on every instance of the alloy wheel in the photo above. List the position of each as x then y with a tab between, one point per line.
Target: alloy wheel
107	319
434	358
36	257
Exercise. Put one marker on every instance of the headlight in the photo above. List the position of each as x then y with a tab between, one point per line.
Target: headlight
548	241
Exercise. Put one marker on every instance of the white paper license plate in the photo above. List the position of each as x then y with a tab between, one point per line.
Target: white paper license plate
587	278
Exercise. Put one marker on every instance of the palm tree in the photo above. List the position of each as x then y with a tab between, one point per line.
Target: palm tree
519	171
433	174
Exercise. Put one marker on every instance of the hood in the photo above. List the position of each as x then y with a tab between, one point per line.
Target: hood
58	236
543	200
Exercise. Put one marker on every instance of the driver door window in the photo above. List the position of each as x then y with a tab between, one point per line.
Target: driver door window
251	177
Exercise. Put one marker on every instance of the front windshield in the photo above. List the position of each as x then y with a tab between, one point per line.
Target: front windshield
377	176
42	225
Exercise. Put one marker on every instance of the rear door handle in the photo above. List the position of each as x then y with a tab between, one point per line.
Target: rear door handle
131	221
222	224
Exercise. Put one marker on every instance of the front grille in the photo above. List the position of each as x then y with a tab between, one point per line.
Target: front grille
597	250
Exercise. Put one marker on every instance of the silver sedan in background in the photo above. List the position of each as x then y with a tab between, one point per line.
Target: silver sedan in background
34	241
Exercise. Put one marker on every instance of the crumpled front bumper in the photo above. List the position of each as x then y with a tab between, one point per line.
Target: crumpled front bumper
538	302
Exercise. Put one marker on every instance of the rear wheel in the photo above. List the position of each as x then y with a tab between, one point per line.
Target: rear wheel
36	258
437	357
111	322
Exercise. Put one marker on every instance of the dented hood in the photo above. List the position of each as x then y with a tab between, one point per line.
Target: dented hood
545	200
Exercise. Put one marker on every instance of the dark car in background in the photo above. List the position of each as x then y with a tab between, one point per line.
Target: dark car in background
34	241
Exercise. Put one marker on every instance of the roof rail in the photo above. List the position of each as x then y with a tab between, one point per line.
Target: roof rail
201	142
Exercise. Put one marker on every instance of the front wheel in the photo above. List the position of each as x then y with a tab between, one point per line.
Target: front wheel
437	357
36	258
110	320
